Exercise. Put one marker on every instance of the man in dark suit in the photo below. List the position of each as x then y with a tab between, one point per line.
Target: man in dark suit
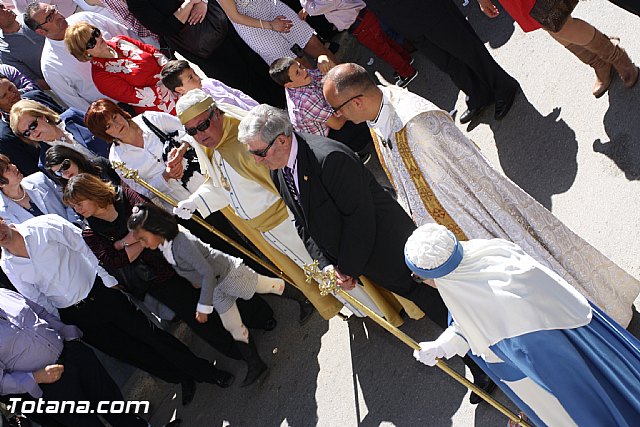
345	218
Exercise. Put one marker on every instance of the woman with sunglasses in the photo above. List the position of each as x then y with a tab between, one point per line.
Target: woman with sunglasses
23	198
124	69
37	123
64	163
106	210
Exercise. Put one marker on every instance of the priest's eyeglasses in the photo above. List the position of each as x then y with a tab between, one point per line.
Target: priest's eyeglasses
336	109
202	126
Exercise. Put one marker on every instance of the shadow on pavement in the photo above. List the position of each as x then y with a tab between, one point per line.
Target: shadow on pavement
623	146
542	159
495	31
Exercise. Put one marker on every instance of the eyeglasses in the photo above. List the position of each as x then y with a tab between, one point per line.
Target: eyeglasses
263	153
53	9
91	43
202	126
64	166
336	109
32	126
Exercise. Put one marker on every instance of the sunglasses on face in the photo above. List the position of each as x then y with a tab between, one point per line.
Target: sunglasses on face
32	126
91	43
53	9
201	127
64	166
263	153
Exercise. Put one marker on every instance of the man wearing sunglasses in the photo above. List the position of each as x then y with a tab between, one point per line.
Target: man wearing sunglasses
243	191
69	78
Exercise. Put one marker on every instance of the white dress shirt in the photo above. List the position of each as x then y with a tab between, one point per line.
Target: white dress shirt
60	270
69	78
148	159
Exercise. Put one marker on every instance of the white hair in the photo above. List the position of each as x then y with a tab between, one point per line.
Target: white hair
430	246
265	122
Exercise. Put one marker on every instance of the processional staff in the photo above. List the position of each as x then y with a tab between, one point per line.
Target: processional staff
133	174
328	285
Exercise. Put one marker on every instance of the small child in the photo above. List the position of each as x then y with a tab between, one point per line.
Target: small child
558	357
355	17
310	112
221	278
180	78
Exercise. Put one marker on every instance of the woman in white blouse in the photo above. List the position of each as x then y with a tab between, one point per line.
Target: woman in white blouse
140	148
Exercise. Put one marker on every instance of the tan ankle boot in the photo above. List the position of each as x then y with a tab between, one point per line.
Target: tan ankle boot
602	68
610	52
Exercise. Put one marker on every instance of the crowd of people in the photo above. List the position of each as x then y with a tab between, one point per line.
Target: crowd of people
270	147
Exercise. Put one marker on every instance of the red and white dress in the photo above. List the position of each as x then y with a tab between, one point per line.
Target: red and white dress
134	76
519	11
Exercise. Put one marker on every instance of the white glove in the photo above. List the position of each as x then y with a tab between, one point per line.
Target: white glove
429	353
448	344
185	209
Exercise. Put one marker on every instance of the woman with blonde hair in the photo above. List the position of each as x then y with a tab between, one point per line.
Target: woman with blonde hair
122	68
37	123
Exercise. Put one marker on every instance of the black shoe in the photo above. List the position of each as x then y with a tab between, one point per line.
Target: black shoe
269	325
256	368
188	391
504	105
483	382
220	378
471	114
404	81
306	308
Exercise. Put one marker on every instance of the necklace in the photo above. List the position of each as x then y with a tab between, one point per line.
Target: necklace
24	194
223	179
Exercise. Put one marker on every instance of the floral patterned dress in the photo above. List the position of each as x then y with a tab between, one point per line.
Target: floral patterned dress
134	76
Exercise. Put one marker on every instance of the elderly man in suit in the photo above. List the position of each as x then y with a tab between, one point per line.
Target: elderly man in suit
346	219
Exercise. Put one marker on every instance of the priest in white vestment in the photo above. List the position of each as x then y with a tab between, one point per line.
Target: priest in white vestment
441	176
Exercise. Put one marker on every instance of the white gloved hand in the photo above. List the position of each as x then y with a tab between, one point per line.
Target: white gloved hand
185	209
429	353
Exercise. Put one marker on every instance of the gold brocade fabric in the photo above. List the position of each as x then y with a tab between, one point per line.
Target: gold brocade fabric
431	202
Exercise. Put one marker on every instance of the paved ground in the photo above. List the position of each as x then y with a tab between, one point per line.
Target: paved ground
578	156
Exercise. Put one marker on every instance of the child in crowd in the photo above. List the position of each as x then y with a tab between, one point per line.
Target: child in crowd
180	78
310	112
221	277
358	20
557	356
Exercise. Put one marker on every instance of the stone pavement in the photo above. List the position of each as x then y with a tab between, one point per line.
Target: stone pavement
578	156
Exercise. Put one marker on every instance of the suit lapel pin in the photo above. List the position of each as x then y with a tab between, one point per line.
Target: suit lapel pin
305	177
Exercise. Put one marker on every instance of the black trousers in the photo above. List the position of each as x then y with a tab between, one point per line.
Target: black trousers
85	378
355	136
181	297
112	324
235	64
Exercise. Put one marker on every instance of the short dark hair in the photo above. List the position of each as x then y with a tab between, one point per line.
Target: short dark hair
171	71
31	10
99	114
4	165
85	186
155	220
279	70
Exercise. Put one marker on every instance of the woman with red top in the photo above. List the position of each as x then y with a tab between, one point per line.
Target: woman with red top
122	68
595	49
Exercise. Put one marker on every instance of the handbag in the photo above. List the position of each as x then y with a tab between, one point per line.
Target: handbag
552	14
192	164
204	38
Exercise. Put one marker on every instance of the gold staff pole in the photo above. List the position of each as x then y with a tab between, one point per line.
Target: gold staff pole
327	284
133	174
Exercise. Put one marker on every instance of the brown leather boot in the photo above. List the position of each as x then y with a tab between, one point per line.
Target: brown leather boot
602	68
610	52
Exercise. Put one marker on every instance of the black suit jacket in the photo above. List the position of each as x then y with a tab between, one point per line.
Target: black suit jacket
345	217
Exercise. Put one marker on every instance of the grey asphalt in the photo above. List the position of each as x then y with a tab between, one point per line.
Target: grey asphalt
578	156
